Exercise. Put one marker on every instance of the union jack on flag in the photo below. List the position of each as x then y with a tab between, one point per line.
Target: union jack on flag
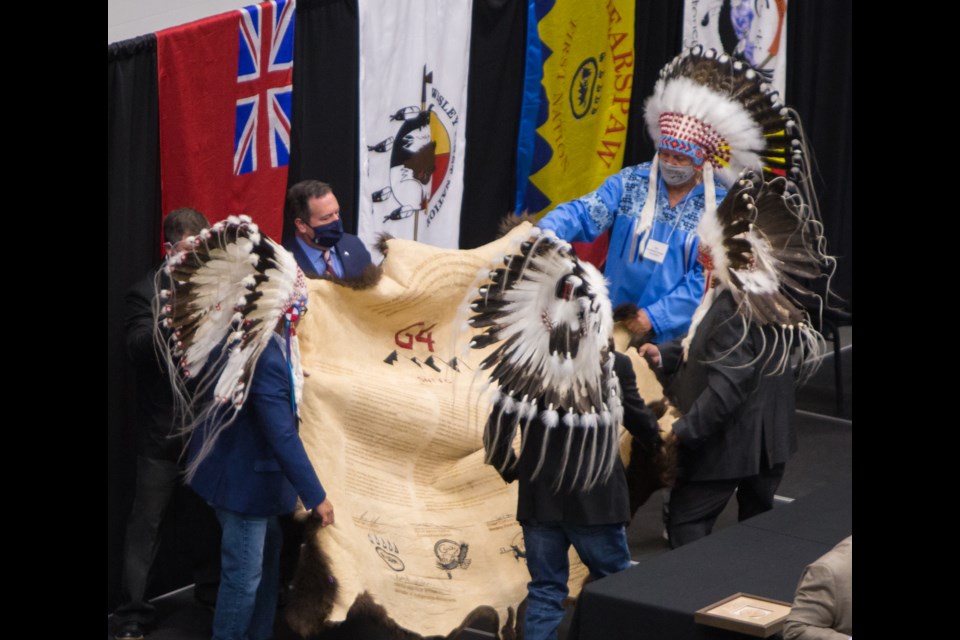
264	73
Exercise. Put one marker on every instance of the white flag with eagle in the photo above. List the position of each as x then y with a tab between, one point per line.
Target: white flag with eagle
414	59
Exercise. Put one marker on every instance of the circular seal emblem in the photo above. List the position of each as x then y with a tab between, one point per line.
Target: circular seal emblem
582	88
421	157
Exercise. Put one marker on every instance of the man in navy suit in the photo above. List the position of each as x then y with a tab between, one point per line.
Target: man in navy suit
322	250
254	472
321	247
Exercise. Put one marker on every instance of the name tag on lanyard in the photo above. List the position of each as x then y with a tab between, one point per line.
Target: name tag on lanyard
655	250
651	249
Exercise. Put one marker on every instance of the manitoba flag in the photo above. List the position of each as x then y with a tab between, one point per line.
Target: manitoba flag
225	87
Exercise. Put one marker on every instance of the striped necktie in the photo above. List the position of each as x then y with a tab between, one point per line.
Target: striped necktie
328	262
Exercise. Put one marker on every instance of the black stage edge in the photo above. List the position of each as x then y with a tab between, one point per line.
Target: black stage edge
763	556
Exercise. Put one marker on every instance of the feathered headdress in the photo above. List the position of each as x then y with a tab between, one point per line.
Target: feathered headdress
760	240
549	313
721	112
227	295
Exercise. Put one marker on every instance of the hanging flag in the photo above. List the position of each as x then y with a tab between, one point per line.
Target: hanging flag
414	56
755	30
225	87
583	61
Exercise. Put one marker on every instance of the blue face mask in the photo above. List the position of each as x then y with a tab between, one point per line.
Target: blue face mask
328	235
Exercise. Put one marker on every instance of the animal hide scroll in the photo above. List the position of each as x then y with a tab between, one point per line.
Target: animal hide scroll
392	419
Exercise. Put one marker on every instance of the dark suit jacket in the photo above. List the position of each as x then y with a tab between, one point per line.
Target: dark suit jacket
350	249
154	399
607	503
258	465
737	415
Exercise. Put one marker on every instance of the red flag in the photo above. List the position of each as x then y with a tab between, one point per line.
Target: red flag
225	97
594	252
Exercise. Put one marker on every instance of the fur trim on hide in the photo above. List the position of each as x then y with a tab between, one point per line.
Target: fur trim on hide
315	592
649	470
367	279
382	241
368	620
314	587
511	221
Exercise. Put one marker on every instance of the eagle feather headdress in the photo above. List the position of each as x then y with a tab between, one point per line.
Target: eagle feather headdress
226	296
548	314
722	113
760	243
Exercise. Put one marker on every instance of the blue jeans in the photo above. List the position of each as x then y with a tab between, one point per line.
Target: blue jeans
603	548
249	577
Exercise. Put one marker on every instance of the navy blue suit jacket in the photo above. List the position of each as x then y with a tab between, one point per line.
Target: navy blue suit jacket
258	465
350	249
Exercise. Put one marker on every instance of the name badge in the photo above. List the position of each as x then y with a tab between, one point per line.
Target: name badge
655	250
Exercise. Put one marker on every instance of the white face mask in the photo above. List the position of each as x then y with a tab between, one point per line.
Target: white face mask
674	175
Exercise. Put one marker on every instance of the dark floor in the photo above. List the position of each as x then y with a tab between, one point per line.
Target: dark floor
825	433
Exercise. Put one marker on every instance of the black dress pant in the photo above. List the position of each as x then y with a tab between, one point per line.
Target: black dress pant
695	505
156	482
156	485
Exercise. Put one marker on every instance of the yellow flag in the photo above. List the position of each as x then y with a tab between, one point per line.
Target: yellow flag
588	80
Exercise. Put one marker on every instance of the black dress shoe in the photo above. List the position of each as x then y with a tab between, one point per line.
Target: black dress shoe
129	631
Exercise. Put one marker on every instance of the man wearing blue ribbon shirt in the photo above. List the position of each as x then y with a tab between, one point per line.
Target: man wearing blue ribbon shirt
652	259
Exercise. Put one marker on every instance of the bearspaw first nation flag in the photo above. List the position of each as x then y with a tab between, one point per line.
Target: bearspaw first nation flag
579	78
414	58
225	86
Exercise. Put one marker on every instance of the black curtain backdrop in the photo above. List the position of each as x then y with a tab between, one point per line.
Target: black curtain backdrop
189	534
133	236
324	131
657	38
494	94
820	88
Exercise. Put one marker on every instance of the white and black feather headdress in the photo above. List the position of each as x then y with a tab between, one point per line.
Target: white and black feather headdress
549	316
227	294
721	112
763	243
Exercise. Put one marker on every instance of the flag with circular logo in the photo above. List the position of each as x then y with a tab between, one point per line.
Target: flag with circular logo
584	98
756	31
414	59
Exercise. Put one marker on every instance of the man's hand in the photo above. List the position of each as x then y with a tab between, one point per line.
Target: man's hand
667	435
324	511
650	353
639	324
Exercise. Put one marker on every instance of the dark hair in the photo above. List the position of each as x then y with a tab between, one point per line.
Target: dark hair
299	195
183	222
